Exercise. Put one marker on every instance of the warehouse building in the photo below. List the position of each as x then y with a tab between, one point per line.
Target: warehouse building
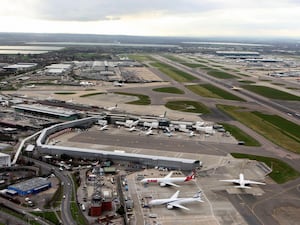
32	186
4	160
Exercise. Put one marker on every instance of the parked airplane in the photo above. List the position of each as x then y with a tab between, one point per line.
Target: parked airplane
31	86
168	180
175	202
149	132
105	127
241	182
192	134
131	129
111	108
118	84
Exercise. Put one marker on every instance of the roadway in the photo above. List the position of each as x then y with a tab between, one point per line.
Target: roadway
67	183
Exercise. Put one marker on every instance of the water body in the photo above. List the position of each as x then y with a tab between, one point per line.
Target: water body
103	44
23	49
227	43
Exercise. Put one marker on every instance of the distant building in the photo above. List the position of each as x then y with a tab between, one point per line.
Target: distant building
238	54
20	67
4	160
32	186
57	69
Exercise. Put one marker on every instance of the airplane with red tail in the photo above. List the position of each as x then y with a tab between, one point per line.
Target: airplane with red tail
169	180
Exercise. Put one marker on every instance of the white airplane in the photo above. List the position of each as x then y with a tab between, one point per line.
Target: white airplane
105	127
149	132
111	108
192	134
31	86
131	129
169	134
168	180
241	182
175	202
118	84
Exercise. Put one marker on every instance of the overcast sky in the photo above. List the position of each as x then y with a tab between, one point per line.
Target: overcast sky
197	18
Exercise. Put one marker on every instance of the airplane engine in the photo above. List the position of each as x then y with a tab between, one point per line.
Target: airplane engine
169	206
162	184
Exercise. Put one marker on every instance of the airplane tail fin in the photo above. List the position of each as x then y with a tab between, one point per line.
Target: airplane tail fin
198	195
191	176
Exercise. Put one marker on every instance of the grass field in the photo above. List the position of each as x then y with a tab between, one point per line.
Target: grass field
281	173
275	128
50	216
174	73
140	58
143	99
172	90
174	58
187	106
271	93
240	135
247	81
220	74
211	91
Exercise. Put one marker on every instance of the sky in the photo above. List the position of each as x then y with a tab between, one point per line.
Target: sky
189	18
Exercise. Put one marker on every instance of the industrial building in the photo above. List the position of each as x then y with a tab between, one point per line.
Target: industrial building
32	186
54	112
4	160
58	69
20	67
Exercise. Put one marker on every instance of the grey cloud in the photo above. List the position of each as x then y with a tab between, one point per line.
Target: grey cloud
92	10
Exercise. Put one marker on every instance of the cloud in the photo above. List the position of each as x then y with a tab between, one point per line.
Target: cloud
92	10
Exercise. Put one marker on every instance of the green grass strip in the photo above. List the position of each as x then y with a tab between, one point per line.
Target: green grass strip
173	72
50	216
172	90
220	74
240	135
281	173
211	91
187	106
275	128
271	93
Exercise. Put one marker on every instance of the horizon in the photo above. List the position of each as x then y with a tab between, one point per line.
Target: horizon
183	18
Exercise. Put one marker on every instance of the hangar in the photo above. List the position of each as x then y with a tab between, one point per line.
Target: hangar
32	186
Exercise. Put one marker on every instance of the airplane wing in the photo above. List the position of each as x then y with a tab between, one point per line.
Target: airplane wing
253	182
177	205
231	181
175	196
169	175
171	184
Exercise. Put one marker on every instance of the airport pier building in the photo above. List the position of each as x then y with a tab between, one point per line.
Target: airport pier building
147	160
